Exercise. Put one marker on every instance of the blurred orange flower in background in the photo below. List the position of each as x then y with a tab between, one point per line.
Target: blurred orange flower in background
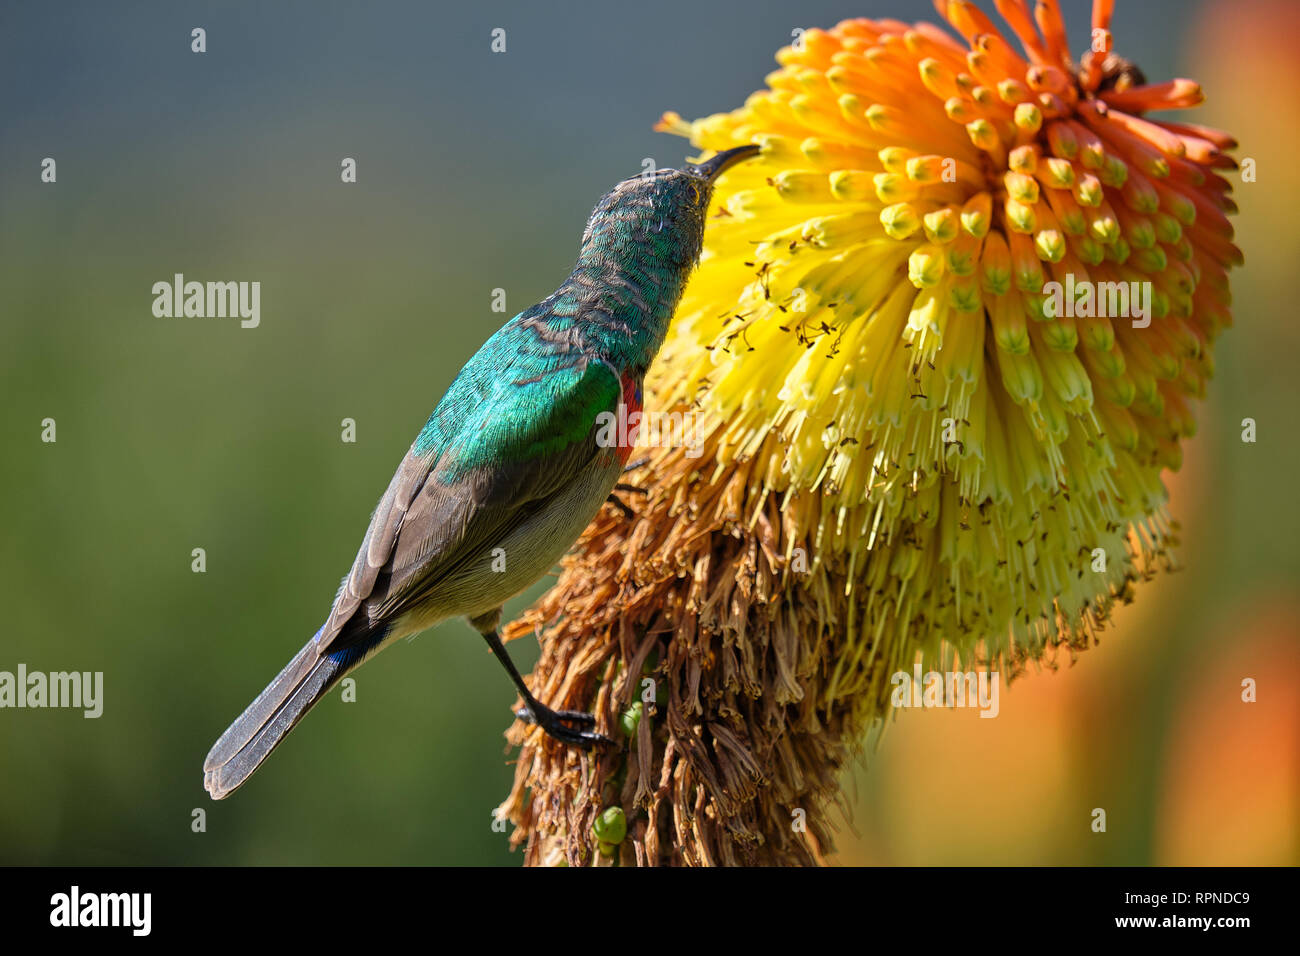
1231	781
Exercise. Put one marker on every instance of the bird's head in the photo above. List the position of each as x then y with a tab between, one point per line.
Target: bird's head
659	215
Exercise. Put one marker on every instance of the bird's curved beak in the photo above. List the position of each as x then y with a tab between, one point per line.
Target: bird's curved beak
713	167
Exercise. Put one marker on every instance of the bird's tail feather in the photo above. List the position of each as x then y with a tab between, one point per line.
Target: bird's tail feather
268	719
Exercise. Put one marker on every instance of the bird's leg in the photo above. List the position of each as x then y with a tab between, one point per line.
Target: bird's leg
554	722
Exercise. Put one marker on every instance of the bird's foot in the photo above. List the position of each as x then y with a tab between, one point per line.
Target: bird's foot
623	508
555	723
620	504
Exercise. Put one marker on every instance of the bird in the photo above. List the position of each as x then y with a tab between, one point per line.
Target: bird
515	461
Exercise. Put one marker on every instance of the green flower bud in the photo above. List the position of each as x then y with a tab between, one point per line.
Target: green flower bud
631	718
610	827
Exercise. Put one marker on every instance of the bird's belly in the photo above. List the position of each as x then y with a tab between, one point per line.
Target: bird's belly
504	568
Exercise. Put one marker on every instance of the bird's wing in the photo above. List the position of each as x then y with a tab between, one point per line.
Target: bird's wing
514	428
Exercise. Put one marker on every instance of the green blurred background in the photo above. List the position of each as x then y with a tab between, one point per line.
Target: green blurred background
476	171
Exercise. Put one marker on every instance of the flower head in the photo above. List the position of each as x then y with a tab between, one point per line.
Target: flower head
944	338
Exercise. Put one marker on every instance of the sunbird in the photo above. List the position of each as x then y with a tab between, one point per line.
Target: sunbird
512	465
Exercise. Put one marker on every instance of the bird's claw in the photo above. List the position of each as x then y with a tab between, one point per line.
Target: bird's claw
555	724
573	716
618	503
